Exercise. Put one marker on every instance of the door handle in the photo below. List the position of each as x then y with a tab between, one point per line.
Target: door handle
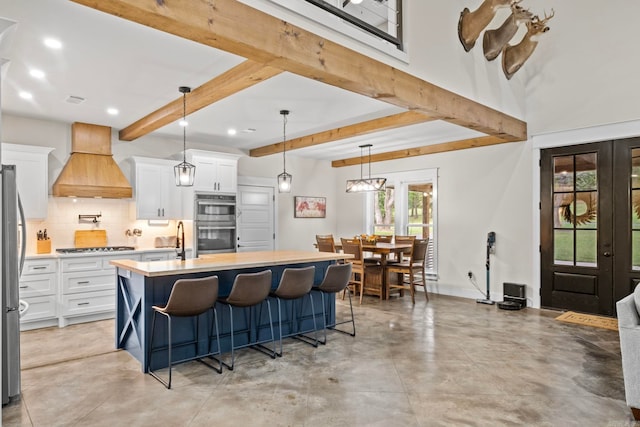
607	254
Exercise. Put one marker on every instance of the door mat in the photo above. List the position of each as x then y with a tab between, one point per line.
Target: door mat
589	320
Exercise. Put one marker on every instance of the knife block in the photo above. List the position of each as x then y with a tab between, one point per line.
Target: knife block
43	246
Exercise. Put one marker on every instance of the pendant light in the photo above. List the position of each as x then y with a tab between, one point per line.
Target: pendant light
284	179
184	172
368	184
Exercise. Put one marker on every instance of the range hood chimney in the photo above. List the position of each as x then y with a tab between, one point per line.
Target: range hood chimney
91	170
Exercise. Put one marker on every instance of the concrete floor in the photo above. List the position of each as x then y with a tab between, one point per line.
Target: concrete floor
449	362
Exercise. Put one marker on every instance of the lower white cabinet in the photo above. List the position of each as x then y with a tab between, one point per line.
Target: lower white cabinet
39	287
75	289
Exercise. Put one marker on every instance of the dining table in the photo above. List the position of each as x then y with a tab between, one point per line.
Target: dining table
384	250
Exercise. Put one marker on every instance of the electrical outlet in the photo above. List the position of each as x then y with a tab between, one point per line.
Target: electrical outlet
470	274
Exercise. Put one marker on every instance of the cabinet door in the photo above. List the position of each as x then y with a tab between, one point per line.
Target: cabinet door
31	177
149	191
172	205
227	176
206	174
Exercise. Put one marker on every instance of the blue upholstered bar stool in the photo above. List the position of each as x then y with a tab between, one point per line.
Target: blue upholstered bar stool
336	280
188	298
295	283
249	290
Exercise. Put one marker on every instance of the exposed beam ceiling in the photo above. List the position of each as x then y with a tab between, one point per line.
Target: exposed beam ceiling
421	151
278	44
358	129
242	76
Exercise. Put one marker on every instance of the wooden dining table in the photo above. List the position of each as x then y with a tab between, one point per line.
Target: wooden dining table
383	249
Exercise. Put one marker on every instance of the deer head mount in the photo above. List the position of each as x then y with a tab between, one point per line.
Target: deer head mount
471	24
513	57
495	40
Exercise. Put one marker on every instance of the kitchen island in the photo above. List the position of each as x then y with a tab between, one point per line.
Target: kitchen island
141	285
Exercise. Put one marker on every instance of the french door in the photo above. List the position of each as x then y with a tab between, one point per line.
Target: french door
590	231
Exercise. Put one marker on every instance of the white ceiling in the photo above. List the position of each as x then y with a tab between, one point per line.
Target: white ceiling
116	63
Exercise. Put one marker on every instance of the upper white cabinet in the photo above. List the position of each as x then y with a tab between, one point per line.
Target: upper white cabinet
156	193
32	165
215	172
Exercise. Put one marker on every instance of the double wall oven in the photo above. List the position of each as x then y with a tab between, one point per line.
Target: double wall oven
215	223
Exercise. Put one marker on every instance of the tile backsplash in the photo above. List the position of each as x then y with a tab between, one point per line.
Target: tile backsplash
117	216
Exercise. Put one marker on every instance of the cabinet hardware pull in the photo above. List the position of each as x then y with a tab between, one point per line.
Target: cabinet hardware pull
84	282
39	268
24	287
158	211
162	211
83	303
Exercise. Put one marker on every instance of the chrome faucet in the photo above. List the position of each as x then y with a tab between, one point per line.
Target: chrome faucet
180	241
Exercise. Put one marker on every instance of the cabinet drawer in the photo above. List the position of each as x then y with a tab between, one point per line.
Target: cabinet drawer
40	308
38	285
81	264
89	281
33	267
160	256
110	268
88	303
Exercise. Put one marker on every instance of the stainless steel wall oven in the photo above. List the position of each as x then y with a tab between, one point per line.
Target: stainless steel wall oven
215	223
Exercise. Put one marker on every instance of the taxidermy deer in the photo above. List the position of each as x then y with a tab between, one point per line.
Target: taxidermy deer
471	24
513	57
495	40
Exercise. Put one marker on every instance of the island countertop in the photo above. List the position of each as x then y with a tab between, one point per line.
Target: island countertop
225	261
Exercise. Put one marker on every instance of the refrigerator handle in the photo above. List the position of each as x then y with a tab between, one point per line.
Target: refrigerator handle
23	245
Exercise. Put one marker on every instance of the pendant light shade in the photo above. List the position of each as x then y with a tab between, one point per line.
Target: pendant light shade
365	184
184	172
284	179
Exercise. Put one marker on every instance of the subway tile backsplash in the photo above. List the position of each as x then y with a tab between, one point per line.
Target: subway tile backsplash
117	216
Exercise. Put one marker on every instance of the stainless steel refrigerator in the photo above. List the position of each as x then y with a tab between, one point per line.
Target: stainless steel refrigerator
13	249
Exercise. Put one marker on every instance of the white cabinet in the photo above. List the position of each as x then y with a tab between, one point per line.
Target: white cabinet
39	287
164	255
157	196
32	176
88	287
215	172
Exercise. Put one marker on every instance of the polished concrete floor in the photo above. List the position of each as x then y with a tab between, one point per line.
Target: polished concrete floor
449	362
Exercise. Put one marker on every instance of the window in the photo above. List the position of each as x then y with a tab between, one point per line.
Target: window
407	207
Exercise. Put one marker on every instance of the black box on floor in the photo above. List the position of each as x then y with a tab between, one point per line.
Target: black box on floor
514	296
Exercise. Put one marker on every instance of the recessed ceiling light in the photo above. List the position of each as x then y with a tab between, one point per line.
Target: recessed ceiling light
231	132
38	74
183	123
25	95
112	111
53	43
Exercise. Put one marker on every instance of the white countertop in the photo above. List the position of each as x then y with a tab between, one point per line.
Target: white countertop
55	254
225	261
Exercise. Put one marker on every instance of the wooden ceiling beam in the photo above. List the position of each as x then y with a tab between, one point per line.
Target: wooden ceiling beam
421	151
376	125
242	76
235	27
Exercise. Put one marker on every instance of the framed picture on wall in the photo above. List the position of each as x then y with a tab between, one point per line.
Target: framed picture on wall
310	207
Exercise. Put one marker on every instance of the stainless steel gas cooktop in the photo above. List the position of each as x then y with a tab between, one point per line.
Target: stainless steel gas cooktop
95	249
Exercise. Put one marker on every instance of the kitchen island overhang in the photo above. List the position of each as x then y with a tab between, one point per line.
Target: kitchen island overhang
141	285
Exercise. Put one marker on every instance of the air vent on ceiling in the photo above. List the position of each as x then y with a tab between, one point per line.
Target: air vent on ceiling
72	99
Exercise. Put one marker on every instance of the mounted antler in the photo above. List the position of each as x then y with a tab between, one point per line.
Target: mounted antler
513	57
471	24
495	40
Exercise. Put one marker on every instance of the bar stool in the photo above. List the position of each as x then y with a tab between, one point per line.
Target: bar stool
295	283
188	298
248	291
336	280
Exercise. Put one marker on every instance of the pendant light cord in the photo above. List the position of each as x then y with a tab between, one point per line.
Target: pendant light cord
284	142
184	128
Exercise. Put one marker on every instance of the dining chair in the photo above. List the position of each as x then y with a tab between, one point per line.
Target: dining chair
377	258
336	280
407	252
411	266
354	247
325	243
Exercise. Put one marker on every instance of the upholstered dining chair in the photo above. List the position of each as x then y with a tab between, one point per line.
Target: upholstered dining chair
325	243
414	264
188	298
336	280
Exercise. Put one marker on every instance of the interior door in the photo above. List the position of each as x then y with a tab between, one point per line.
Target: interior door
577	234
255	223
